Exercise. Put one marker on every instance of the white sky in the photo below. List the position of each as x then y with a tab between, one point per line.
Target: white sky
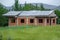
11	2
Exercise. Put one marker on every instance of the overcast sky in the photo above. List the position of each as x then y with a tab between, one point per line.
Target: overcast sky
11	2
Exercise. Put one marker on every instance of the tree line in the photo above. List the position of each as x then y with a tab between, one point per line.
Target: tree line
57	12
26	7
3	20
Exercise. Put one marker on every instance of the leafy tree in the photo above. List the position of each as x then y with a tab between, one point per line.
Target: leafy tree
42	7
3	20
16	6
57	12
27	7
20	8
32	7
0	37
36	7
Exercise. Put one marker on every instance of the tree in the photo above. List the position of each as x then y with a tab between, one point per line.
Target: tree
32	7
3	20
41	7
36	7
0	36
16	6
57	12
20	8
27	7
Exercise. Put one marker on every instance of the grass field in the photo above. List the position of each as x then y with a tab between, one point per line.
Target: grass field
31	33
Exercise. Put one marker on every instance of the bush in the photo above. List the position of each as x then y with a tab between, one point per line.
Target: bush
58	21
0	37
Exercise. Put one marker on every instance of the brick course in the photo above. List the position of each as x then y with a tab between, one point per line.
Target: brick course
27	21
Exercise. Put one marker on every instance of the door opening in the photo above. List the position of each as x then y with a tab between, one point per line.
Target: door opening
50	21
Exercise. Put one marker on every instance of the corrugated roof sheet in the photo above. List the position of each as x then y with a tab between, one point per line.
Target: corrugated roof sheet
28	13
35	13
12	13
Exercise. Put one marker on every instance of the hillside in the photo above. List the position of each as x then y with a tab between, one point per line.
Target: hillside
58	8
46	6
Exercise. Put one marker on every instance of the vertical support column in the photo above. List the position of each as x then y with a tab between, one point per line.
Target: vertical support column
51	21
17	22
9	21
27	20
35	20
45	21
55	21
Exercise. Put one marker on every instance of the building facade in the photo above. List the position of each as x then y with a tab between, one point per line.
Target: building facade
43	18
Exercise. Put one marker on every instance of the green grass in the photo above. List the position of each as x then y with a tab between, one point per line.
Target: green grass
31	33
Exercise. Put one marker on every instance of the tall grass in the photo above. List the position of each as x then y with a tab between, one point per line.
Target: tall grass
30	32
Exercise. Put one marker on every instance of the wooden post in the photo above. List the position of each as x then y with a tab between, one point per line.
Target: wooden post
45	21
35	21
27	20
55	21
9	22
17	22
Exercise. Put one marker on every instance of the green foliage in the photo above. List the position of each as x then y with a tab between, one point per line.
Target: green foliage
57	12
27	7
42	7
32	7
0	36
58	21
20	8
16	6
36	7
3	20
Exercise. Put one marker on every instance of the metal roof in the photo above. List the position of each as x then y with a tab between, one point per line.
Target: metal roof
29	13
35	13
12	13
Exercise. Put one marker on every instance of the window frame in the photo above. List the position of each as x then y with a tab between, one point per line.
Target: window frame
13	20
47	20
31	20
40	20
22	21
53	20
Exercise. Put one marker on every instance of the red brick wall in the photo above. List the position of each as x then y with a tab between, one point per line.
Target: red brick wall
12	24
40	23
29	21
52	21
18	21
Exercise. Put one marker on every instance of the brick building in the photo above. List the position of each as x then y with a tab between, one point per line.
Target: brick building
33	17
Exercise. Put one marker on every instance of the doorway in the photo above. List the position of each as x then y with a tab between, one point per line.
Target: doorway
50	21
